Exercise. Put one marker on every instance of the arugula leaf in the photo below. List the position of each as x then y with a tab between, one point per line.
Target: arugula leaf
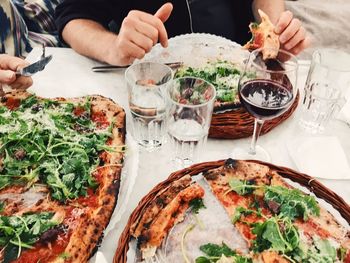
241	211
17	232
285	202
214	252
196	204
242	187
292	202
278	234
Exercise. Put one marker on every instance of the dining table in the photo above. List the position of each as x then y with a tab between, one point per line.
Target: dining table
70	75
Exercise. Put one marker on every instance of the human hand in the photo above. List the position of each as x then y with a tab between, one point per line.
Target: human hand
8	67
139	32
292	35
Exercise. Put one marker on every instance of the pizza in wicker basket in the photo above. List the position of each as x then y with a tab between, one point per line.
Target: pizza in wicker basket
278	222
60	167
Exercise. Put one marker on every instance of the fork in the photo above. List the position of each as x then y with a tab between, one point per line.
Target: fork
36	66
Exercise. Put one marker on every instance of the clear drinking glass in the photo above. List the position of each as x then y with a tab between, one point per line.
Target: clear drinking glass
327	81
267	88
147	83
191	102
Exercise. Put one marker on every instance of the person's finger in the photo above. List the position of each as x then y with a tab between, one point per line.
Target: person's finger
152	20
7	76
298	37
147	30
12	63
131	51
164	12
290	31
22	83
141	41
301	46
284	20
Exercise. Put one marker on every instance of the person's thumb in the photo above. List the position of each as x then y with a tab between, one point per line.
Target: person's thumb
164	12
7	76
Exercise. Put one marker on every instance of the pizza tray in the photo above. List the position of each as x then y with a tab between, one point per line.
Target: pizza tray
306	181
196	50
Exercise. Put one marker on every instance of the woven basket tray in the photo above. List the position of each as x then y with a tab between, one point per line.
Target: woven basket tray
304	180
238	123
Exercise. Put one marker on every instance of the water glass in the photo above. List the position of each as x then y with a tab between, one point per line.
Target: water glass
328	77
147	83
191	102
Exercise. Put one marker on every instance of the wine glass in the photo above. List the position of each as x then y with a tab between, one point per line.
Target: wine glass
267	88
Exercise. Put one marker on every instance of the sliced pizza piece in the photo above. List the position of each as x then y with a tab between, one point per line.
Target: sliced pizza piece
264	36
162	199
151	229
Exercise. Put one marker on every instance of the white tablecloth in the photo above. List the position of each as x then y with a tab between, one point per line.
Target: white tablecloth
70	75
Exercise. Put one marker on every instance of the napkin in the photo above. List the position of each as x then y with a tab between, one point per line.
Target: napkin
320	156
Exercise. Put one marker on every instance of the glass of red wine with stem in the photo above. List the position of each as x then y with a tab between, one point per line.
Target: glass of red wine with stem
267	88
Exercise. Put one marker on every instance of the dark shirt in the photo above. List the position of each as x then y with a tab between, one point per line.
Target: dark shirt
227	18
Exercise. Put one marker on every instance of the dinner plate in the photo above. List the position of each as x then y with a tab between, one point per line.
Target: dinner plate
215	221
198	49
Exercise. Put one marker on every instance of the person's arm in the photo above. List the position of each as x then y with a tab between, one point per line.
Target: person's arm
8	67
139	32
293	36
89	38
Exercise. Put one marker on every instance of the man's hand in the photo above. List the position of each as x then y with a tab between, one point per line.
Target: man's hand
293	36
139	32
8	67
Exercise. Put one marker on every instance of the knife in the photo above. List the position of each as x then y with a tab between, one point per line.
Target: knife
106	68
34	67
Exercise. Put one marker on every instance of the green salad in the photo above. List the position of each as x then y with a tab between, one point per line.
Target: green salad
222	74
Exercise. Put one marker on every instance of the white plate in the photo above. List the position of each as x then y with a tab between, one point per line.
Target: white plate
197	49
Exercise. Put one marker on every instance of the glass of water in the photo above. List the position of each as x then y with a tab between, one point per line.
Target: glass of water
147	83
191	102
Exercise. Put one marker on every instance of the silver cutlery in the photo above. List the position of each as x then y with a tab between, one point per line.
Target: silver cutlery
36	66
107	68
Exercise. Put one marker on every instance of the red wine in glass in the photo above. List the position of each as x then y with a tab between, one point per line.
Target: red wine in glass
266	89
265	99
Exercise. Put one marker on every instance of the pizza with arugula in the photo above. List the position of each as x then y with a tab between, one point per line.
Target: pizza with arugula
60	167
275	221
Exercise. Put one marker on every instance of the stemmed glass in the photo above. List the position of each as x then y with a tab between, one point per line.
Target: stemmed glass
267	88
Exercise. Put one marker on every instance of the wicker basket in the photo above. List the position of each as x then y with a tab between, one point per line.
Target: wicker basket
238	123
313	185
